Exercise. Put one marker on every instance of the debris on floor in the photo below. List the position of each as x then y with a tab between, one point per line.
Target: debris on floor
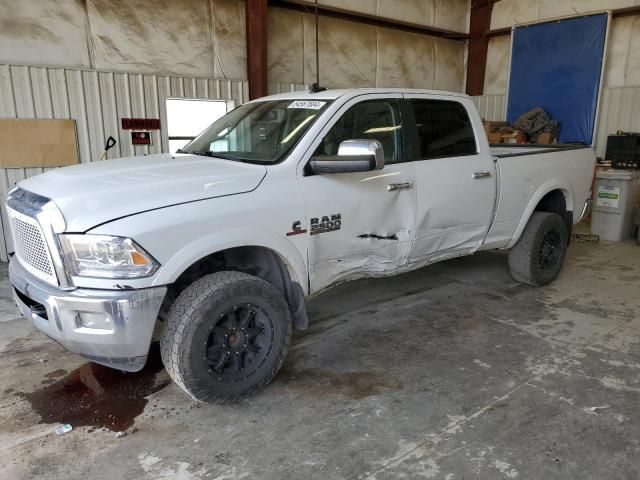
595	410
584	237
62	429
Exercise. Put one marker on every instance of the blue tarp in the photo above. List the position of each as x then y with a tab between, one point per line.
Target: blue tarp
557	66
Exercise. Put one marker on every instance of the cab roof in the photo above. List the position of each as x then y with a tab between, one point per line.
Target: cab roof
338	93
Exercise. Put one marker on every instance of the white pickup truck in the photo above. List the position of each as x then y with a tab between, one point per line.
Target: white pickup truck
278	200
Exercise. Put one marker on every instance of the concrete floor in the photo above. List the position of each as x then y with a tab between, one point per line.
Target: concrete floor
452	372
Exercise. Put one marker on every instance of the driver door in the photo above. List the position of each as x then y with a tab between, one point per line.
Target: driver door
360	223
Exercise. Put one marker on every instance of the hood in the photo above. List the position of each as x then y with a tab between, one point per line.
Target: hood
94	193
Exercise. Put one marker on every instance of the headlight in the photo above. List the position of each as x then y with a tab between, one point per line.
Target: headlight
103	256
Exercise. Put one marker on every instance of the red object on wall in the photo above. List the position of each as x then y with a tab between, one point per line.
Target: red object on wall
141	138
140	123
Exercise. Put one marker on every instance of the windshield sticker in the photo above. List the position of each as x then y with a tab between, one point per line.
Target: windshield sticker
307	104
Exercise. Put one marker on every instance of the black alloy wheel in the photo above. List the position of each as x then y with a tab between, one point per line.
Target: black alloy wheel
550	251
239	343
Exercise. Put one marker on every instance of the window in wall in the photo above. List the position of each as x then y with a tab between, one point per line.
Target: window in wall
444	129
372	119
187	118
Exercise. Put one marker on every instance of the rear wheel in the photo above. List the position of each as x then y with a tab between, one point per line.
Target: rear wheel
538	255
226	336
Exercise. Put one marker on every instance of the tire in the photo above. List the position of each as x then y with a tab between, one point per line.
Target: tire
537	257
226	337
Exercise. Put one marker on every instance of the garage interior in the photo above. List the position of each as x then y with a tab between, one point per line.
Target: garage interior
453	371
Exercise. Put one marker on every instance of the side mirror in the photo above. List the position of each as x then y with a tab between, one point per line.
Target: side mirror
353	156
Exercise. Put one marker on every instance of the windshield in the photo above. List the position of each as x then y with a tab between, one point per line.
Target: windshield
260	132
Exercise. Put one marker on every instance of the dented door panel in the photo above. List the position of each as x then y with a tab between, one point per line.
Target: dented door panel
374	230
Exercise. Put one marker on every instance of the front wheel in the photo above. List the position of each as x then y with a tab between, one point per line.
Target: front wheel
538	255
226	337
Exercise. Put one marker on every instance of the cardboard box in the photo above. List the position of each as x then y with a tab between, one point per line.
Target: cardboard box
494	137
516	137
491	126
546	138
26	143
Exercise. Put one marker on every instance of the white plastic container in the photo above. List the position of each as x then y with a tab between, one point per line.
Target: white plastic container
613	200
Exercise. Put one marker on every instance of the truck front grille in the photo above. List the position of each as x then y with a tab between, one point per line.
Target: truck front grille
30	246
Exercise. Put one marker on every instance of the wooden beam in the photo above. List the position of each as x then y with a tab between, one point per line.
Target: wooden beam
498	32
479	24
349	15
625	12
256	11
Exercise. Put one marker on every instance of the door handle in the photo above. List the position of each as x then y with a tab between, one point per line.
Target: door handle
477	175
392	187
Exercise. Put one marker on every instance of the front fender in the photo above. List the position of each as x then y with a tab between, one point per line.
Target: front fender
553	184
239	237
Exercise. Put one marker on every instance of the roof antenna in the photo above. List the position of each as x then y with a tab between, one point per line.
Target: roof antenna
315	88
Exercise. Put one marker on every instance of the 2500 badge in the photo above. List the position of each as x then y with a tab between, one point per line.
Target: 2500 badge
326	224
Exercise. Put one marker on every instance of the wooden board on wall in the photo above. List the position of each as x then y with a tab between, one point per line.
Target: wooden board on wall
28	143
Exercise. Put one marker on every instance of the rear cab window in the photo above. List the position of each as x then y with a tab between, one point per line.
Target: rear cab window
443	128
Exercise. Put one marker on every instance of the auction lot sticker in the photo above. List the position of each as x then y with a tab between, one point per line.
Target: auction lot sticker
308	104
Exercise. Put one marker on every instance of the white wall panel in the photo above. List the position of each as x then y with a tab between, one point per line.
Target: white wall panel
446	14
359	55
496	74
618	111
491	107
44	32
97	100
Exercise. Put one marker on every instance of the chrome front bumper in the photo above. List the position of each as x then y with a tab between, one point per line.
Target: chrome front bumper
128	315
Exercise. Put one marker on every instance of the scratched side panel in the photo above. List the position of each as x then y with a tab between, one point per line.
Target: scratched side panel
377	226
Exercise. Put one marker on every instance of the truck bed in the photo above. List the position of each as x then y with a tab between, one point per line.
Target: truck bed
503	150
525	173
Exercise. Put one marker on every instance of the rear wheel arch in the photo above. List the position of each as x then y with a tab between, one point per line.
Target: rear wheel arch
551	197
557	201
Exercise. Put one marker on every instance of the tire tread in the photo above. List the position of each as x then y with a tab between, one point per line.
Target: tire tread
521	259
180	316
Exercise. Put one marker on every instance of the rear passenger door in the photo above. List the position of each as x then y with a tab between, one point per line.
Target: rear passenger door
455	179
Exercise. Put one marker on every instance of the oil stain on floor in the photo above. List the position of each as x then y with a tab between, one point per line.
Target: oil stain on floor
97	396
355	385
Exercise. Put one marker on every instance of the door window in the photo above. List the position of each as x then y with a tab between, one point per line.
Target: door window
444	129
374	119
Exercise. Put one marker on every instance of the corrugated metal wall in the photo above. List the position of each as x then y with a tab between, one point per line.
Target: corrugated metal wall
273	88
619	110
491	107
97	100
